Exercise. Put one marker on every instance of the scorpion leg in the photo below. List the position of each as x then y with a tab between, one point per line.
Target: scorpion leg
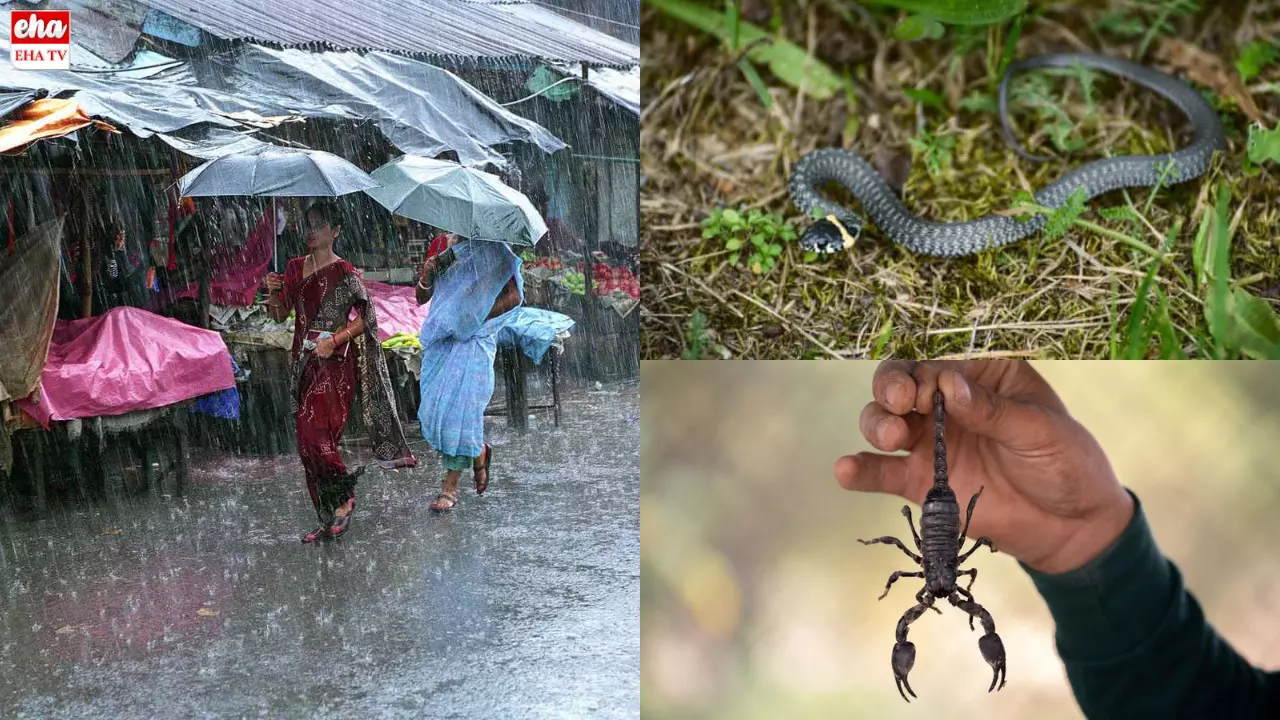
904	653
976	544
990	644
889	540
965	591
906	512
969	516
894	578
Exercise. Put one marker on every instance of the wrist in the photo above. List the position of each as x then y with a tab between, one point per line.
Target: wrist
1090	537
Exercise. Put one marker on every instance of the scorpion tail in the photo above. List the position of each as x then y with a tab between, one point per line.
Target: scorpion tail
904	658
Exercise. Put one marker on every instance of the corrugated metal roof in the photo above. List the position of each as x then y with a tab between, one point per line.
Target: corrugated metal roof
504	28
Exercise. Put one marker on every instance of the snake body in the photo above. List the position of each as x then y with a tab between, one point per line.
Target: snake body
965	238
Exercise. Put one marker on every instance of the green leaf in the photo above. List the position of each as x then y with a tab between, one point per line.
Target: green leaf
788	62
733	258
817	213
810	257
918	27
735	24
732	216
733	244
1219	273
978	102
1257	324
926	97
959	12
1170	348
1123	213
882	339
1061	219
757	239
1254	57
1264	145
757	84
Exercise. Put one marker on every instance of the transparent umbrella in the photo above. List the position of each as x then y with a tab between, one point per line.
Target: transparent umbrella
469	202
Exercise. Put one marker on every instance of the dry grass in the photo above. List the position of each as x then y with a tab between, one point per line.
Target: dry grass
708	142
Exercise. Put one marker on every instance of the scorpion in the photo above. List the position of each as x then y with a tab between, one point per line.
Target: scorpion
940	548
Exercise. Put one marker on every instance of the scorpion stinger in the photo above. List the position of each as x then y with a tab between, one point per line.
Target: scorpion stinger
939	543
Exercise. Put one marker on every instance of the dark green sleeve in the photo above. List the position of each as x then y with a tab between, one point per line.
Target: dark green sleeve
1135	642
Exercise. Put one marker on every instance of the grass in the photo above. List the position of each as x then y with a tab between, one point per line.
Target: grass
1120	277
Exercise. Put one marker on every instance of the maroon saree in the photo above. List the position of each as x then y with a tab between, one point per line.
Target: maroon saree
321	389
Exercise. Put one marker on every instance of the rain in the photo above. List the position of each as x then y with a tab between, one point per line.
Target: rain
161	199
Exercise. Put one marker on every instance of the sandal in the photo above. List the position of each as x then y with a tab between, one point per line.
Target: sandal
438	505
340	522
477	468
314	535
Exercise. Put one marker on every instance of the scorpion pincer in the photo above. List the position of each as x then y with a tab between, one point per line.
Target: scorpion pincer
939	543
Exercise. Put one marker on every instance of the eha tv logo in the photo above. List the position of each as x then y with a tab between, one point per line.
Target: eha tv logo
40	39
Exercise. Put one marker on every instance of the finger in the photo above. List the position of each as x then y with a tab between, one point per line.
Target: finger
872	472
1010	422
888	432
894	387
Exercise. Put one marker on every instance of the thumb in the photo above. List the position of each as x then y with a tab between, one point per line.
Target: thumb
1016	424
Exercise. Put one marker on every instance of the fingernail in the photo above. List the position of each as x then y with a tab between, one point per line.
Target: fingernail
964	395
882	429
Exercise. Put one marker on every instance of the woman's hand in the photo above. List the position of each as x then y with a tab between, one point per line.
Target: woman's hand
274	282
120	240
1050	497
325	347
428	267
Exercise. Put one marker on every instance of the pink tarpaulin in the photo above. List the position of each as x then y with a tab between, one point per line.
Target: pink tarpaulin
126	360
398	310
237	271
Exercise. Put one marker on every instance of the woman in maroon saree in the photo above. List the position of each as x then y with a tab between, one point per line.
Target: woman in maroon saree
332	352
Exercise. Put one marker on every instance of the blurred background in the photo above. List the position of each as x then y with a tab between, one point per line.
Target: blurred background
756	601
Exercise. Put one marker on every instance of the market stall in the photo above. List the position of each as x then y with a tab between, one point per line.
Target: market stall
108	378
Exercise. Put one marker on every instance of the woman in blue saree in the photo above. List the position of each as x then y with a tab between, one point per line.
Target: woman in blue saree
473	287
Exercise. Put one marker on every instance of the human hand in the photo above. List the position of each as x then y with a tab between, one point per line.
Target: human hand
1050	497
428	268
274	282
120	240
325	347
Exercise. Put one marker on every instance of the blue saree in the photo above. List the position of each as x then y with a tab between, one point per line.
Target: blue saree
458	346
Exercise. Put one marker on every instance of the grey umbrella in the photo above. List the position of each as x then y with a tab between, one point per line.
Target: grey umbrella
460	199
276	172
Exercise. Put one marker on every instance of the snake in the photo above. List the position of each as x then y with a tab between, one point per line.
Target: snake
837	227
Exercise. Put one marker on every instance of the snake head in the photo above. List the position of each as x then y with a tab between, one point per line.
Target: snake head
829	235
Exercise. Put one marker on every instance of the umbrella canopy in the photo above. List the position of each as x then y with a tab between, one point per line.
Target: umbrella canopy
469	202
276	172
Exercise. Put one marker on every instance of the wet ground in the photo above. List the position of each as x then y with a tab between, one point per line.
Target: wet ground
522	603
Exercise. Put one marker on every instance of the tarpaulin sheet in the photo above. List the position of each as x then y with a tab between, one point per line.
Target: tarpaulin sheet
28	307
534	331
420	108
620	86
238	270
43	119
127	360
10	101
398	310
